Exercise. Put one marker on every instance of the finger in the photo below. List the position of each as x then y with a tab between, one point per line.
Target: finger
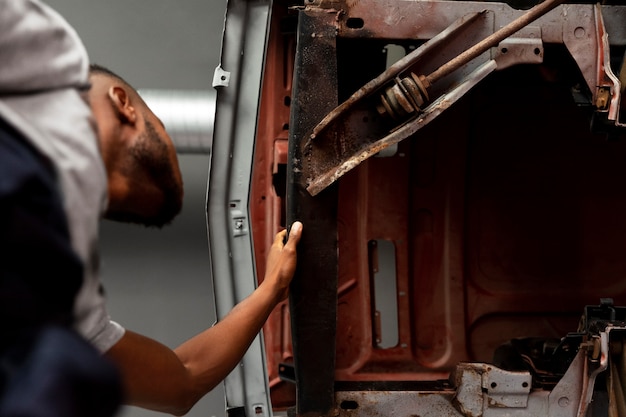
295	233
280	237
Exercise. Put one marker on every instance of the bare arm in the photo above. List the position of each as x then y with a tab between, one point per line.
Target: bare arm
160	379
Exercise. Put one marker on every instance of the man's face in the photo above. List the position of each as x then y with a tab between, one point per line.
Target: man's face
153	163
145	183
156	154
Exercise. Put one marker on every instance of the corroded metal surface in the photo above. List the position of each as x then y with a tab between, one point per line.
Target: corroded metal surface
313	292
504	210
340	141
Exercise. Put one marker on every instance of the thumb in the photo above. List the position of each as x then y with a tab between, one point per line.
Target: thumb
294	234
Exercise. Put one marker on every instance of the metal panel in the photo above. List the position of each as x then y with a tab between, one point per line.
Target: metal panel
314	289
451	197
238	83
505	212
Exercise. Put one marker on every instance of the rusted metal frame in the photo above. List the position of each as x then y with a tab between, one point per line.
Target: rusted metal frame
587	39
491	40
357	148
483	390
313	292
381	19
608	84
394	70
354	137
319	182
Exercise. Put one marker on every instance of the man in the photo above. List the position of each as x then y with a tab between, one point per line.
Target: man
52	193
128	172
46	368
145	186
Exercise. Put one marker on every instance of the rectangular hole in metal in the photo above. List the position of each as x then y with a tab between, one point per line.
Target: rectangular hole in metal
382	258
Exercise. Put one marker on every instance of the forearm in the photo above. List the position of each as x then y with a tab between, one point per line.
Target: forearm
160	379
153	376
211	355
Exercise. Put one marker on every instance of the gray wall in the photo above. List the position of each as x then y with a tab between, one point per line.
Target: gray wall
158	281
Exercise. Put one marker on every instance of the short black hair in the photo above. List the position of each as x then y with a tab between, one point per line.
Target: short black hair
102	70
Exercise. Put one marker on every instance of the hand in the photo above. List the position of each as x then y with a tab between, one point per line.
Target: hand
281	261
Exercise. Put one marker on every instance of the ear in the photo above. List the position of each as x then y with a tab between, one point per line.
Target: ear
122	104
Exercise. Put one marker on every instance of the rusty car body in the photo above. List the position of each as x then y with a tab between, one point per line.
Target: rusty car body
460	170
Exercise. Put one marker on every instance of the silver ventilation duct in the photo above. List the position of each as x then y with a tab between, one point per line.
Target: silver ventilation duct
188	116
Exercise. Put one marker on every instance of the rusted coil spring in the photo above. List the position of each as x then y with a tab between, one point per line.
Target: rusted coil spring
405	97
408	94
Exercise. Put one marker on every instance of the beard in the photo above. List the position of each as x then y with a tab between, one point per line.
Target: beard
151	157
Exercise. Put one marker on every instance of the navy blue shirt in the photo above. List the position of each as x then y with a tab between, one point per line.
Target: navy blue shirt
40	274
46	369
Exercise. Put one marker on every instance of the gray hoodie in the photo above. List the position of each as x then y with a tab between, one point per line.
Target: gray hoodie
43	83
